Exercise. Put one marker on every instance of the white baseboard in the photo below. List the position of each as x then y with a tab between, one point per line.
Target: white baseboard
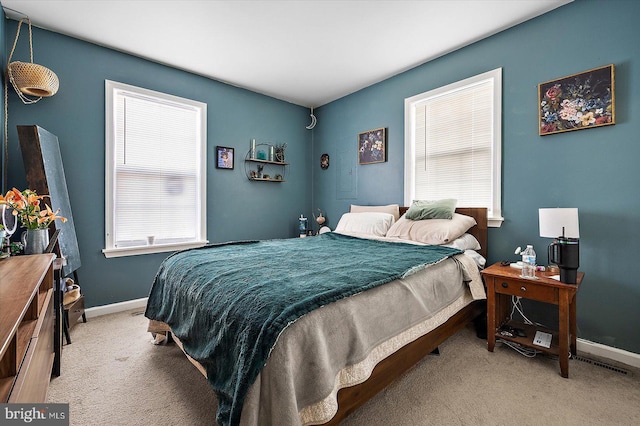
583	346
116	307
608	352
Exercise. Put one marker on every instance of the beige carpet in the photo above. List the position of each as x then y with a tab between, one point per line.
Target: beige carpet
112	374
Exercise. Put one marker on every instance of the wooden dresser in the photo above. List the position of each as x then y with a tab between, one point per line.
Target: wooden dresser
27	321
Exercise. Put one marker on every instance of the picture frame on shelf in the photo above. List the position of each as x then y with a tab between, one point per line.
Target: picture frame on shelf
580	101
224	157
372	146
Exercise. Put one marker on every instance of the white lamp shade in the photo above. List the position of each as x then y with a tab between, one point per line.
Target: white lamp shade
553	220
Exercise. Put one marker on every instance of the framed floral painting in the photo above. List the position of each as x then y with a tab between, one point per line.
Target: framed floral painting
579	101
372	146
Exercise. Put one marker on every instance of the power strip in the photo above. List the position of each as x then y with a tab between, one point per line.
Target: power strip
542	339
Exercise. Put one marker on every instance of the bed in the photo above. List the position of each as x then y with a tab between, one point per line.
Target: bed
325	362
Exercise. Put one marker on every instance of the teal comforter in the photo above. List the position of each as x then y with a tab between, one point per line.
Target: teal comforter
228	303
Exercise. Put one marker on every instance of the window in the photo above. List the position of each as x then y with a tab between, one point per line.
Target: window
453	144
155	171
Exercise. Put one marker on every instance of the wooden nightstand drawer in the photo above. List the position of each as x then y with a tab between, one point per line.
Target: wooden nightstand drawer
527	289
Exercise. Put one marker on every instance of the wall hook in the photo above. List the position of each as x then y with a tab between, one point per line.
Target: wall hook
313	121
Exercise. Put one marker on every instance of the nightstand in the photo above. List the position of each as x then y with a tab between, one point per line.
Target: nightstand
503	282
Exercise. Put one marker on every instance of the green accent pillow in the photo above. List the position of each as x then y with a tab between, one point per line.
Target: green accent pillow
438	209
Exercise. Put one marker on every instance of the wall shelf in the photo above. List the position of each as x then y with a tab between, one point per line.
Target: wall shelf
255	160
261	170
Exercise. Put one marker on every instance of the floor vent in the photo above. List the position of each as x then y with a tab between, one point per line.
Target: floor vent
602	364
133	314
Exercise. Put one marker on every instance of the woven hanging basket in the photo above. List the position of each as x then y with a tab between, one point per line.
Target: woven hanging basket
33	79
28	78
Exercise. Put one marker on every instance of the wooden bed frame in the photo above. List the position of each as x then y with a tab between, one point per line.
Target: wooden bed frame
392	367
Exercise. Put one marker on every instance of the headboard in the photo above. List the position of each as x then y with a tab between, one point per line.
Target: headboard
479	230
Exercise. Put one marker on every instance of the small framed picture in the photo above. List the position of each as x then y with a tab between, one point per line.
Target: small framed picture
372	146
224	157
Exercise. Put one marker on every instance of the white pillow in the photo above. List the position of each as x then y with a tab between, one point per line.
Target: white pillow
464	242
393	209
431	231
366	224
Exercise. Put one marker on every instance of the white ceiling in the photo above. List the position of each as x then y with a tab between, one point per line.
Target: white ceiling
308	52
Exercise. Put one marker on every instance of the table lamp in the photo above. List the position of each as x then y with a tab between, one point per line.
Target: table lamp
562	224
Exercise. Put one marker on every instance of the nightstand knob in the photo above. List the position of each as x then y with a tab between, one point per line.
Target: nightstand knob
523	288
505	285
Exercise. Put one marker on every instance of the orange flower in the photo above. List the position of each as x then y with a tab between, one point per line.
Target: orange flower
26	205
49	216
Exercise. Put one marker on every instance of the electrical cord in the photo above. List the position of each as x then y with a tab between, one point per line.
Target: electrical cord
527	352
517	306
524	351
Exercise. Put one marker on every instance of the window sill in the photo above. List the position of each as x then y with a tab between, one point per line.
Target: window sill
495	222
157	248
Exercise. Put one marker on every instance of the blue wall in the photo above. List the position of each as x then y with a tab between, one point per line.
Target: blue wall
236	208
595	170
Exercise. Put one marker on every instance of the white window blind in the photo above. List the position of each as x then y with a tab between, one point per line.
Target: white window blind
156	145
453	144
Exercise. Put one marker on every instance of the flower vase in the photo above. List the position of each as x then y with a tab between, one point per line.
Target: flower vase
35	241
